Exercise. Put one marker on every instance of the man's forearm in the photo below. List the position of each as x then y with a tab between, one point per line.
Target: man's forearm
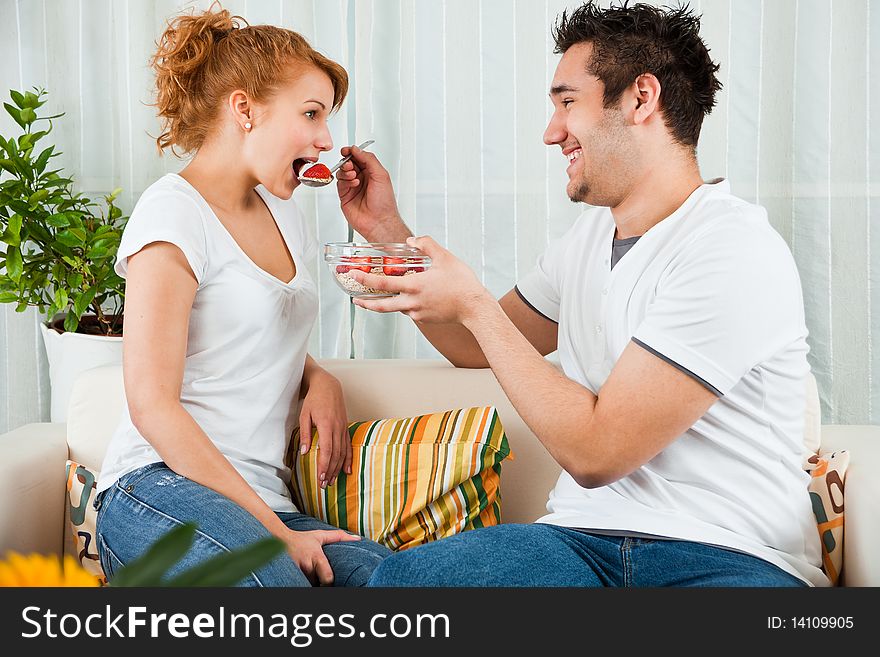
392	230
456	343
553	406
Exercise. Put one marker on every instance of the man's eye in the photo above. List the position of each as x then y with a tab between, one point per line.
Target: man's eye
567	102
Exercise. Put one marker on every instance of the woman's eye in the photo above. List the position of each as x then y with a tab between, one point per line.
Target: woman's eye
312	114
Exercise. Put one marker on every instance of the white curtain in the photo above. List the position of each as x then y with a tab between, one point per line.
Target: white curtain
454	93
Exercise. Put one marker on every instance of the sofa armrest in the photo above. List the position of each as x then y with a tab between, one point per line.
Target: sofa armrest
32	489
861	537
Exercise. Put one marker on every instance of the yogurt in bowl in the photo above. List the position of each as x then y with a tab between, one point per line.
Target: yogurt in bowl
383	259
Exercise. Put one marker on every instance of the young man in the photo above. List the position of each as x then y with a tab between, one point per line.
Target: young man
677	313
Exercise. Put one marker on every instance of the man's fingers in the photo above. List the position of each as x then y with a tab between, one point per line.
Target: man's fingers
378	282
383	305
426	244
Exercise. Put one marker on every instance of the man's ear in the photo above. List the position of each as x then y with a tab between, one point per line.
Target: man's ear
646	91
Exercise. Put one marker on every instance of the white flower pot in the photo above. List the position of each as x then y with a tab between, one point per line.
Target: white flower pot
70	354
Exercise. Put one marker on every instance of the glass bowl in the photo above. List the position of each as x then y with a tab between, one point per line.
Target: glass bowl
385	259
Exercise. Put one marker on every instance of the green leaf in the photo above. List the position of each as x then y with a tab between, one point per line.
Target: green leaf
149	569
40	233
28	115
9	166
8	297
71	323
22	306
43	159
13	263
59	220
230	568
83	300
67	238
79	233
32	100
12	235
17	98
15	113
37	197
61	298
57	182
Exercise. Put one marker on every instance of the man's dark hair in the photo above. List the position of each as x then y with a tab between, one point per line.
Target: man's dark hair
629	41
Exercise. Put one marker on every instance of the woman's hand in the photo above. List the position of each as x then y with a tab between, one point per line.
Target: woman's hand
323	408
367	198
306	550
447	293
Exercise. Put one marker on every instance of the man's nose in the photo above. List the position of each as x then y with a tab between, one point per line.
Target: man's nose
555	133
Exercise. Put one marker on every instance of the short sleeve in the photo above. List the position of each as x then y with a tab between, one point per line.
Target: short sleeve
167	217
542	287
728	302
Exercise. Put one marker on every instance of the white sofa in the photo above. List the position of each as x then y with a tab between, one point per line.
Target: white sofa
32	458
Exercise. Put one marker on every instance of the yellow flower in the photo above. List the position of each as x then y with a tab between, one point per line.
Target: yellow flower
41	570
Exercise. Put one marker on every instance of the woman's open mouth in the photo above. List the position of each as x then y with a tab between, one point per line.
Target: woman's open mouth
299	163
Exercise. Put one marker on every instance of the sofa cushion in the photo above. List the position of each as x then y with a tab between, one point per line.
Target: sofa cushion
81	485
413	480
828	471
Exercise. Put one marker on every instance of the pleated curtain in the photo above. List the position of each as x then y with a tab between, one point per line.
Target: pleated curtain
454	92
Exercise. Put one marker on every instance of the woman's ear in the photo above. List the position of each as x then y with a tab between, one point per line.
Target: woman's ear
646	89
240	108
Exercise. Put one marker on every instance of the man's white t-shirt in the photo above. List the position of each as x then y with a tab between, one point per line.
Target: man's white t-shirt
714	289
247	339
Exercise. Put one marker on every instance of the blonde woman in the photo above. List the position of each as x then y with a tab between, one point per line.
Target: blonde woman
218	310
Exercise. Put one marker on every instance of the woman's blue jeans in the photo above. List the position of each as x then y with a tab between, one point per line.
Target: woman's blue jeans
145	504
547	555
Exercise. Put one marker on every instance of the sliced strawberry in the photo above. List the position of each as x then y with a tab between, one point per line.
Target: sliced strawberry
361	259
342	269
318	171
393	271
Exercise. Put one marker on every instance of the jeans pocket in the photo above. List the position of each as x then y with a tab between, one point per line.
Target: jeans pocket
128	481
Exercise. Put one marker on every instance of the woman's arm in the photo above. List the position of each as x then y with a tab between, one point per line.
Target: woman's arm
160	289
324	409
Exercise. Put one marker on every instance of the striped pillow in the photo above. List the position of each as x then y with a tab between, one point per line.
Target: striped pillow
413	480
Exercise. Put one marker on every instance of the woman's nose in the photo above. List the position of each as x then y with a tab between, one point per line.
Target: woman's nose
324	141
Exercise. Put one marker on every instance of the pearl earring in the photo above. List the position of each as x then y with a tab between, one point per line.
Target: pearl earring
247	126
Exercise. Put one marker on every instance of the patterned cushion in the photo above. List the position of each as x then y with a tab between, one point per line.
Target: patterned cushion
826	494
81	485
413	480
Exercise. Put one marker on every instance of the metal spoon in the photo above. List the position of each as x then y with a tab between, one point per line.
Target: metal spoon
311	182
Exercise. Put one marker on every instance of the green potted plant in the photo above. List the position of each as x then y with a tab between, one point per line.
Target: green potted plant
58	250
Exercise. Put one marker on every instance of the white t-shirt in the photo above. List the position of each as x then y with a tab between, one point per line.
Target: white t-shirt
247	339
714	288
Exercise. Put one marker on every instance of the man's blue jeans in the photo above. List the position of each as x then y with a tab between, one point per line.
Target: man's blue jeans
547	555
145	504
